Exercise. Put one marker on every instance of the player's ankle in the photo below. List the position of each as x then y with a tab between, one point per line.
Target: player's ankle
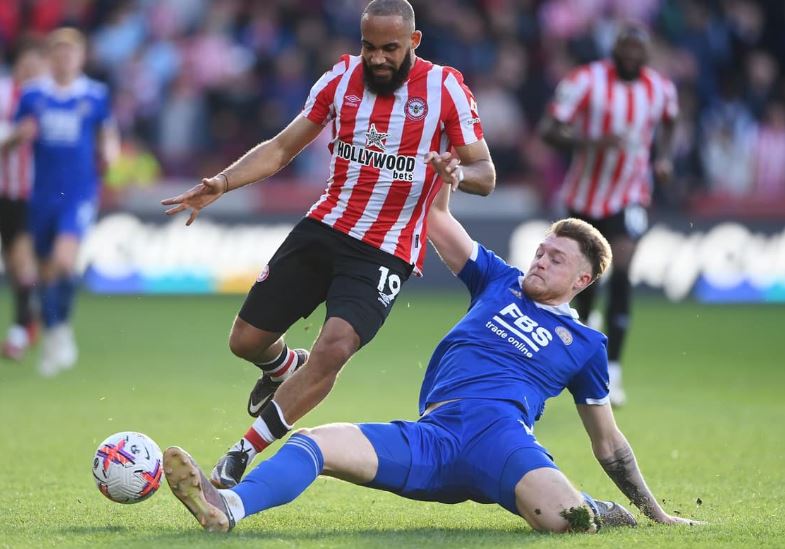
282	367
234	504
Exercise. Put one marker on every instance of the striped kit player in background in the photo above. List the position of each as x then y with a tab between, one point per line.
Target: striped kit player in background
607	114
16	181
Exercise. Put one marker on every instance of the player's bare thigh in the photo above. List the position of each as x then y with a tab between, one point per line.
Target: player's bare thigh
348	454
62	260
623	248
20	259
542	495
252	343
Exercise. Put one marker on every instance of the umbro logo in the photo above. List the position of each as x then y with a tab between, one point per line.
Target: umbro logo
385	299
352	100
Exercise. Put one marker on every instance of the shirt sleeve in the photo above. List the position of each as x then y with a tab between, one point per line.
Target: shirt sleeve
319	105
571	96
671	110
590	384
462	120
25	106
482	267
104	105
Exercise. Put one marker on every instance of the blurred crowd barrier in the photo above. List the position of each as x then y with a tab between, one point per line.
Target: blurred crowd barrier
710	261
195	83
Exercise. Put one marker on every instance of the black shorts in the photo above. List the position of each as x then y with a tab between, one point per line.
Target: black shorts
13	220
632	221
316	264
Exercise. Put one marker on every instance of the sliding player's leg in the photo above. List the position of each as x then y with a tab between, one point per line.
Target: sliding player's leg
339	450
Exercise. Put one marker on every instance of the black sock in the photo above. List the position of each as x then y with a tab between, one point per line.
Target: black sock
618	312
23	298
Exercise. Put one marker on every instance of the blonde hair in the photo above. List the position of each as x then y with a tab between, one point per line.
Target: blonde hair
593	245
67	35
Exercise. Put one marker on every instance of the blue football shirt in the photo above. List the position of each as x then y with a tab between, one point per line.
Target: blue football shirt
508	347
68	120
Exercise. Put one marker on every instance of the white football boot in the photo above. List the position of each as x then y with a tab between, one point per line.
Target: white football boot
67	352
616	395
16	342
48	364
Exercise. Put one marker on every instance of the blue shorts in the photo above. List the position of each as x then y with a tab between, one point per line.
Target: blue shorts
469	449
48	219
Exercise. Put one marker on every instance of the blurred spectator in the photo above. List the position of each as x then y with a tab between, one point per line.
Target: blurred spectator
198	82
727	138
770	154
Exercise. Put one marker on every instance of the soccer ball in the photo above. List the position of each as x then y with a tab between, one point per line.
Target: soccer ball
127	467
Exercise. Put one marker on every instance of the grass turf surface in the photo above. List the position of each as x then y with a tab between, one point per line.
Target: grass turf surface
705	419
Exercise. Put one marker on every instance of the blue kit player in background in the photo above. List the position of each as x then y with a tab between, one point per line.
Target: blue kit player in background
486	385
74	134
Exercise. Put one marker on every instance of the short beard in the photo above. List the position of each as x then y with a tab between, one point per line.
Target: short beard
535	294
626	75
388	87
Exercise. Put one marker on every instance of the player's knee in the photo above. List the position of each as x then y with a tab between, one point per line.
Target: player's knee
241	345
575	519
306	431
330	354
63	265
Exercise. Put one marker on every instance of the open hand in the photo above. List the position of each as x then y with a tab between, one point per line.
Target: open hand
447	166
669	519
663	170
197	197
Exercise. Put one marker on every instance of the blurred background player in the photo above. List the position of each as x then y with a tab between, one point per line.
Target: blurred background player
16	179
360	242
74	136
607	113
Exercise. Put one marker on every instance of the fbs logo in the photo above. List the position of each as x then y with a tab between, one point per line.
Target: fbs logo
264	274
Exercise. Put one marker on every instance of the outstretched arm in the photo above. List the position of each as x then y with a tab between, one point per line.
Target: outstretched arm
24	131
452	242
260	162
470	169
565	136
617	459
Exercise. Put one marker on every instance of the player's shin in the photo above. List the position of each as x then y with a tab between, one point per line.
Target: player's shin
268	427
281	478
50	305
66	288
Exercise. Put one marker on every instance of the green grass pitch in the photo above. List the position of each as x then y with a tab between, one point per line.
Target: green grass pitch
706	419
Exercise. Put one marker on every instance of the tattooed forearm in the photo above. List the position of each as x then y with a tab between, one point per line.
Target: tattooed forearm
623	470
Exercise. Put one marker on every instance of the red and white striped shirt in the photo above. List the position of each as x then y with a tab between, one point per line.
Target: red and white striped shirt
379	189
603	181
16	165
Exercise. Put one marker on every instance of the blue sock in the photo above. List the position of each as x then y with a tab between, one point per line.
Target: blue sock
50	304
66	292
283	477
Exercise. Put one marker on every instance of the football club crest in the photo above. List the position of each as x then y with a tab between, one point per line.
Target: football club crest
84	108
416	108
564	334
264	274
